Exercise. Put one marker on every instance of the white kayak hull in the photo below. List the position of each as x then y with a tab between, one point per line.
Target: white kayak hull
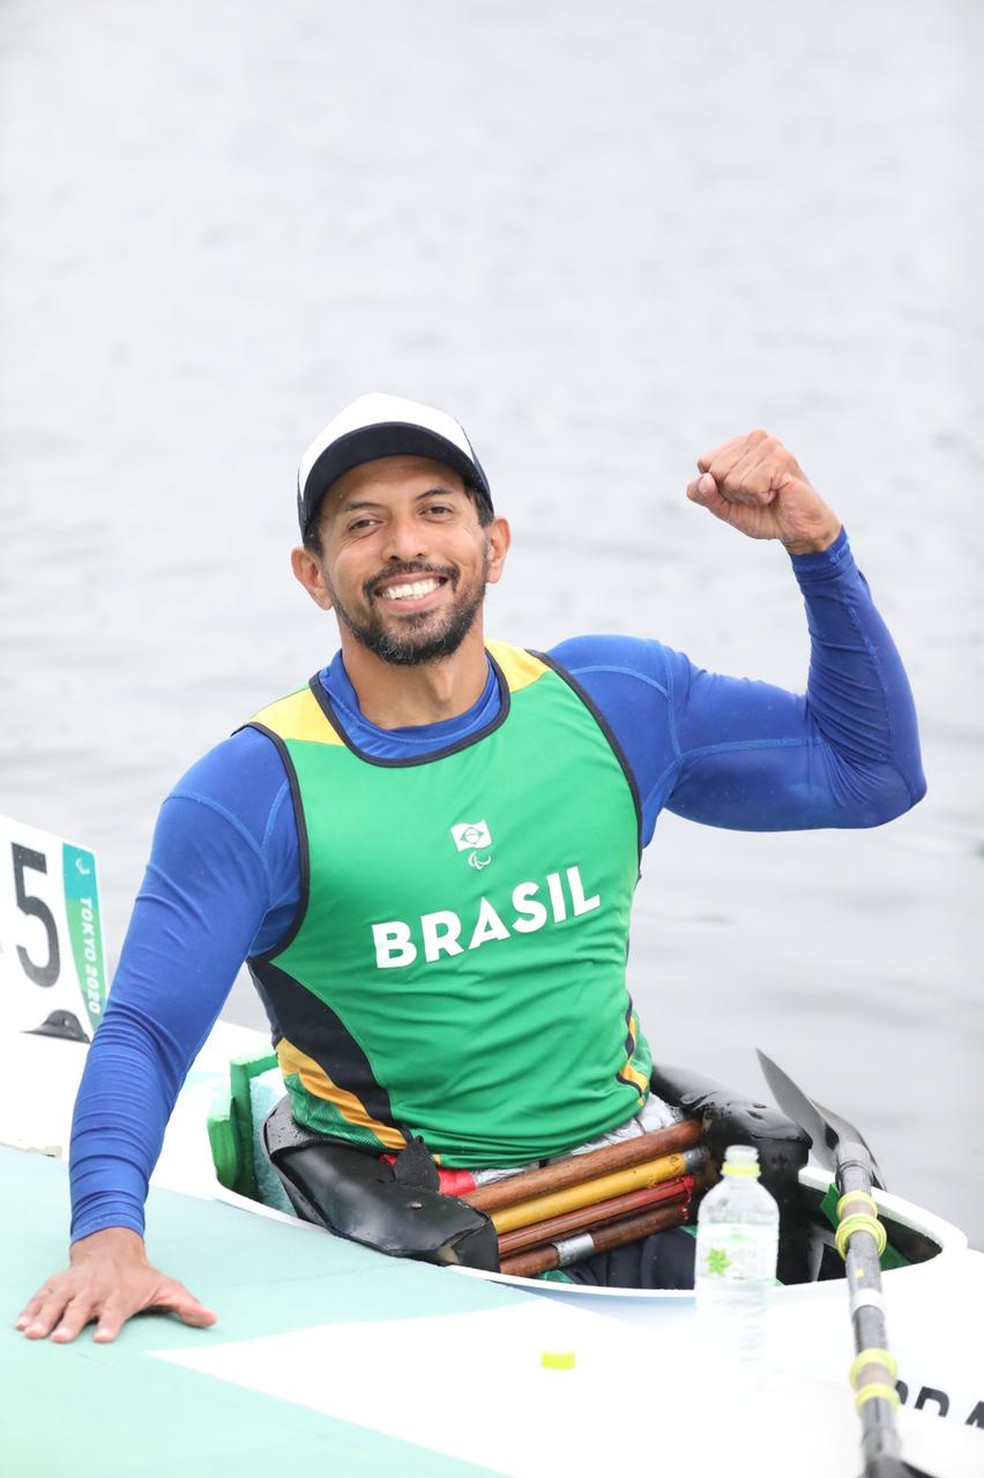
933	1308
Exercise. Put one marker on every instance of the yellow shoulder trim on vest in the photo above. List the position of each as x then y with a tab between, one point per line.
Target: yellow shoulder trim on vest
298	716
519	668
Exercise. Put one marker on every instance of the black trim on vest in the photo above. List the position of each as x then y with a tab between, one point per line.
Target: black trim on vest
608	732
303	847
304	1017
325	704
631	1043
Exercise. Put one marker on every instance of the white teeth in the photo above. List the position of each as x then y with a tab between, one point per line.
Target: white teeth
410	592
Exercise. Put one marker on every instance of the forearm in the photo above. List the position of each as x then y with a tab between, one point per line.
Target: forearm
844	755
201	904
135	1069
858	693
132	1077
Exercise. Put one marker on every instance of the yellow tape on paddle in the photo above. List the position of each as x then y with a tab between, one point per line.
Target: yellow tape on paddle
873	1356
863	1222
864	1219
876	1392
859	1198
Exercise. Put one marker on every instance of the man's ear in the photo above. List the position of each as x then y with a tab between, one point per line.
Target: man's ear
307	570
499	536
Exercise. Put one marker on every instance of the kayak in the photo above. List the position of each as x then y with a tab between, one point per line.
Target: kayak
929	1284
378	1361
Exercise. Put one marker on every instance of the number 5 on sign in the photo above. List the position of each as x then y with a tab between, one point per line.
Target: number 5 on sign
51	952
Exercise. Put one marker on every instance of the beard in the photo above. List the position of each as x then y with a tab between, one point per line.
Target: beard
425	636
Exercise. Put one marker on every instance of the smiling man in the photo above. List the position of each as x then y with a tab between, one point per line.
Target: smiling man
466	986
408	610
398	606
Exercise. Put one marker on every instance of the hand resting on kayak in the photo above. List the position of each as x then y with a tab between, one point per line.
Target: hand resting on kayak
109	1281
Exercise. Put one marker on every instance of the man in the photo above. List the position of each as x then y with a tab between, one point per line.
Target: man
428	854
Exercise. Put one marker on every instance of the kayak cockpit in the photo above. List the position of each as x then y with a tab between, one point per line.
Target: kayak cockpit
260	1153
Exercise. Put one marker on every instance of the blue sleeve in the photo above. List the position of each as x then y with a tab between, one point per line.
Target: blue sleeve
222	883
736	753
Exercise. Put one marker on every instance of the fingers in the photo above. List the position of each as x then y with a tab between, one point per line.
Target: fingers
704	490
42	1312
28	1312
753	468
54	1311
62	1314
756	485
725	454
176	1298
63	1307
78	1313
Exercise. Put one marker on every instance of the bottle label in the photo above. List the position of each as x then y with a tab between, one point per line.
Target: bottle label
736	1252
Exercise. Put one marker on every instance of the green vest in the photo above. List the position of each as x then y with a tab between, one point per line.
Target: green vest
457	966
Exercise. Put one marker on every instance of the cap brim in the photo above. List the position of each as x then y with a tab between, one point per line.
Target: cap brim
385	439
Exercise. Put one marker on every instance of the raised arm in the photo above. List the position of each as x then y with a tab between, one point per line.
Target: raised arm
846	753
732	752
858	761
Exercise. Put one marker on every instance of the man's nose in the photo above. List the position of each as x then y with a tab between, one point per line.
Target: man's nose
406	539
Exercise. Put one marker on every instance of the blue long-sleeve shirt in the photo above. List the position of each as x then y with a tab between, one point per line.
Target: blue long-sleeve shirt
223	880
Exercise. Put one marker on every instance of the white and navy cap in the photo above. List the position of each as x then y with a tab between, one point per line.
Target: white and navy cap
383	426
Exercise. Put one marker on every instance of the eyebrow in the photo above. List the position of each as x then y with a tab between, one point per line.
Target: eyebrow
354	505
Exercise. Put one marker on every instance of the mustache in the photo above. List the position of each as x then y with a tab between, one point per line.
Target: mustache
411	567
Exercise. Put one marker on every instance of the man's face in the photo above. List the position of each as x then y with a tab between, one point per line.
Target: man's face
404	560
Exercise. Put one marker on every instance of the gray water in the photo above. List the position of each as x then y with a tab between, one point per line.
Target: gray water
607	238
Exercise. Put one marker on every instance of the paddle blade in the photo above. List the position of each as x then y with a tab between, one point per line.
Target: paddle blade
846	1132
828	1131
893	1467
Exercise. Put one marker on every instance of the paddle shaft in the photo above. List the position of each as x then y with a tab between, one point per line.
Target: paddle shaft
880	1442
595	1216
603	1188
838	1145
574	1169
605	1239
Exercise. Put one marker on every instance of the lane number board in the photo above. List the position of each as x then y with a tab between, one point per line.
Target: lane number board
51	947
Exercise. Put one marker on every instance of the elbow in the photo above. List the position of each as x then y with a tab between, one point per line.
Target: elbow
914	780
897	791
917	787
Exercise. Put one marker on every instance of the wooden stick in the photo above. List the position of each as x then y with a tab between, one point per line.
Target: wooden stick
542	1259
575	1168
588	1192
591	1216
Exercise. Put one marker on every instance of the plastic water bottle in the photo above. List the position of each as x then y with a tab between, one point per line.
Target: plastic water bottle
735	1269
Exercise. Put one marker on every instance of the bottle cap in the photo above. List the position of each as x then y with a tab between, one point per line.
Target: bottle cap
740	1159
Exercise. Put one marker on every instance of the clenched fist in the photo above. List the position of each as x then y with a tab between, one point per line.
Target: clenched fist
756	485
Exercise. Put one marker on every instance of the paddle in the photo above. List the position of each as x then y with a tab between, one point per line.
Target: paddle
860	1239
574	1170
